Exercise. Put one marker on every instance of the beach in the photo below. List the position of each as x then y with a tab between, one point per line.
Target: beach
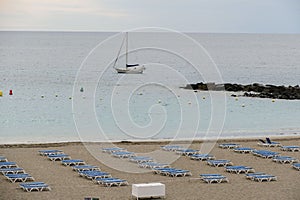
67	184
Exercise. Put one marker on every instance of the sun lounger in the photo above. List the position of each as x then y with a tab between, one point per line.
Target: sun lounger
187	152
219	163
123	154
59	157
8	165
94	174
208	175
19	177
229	145
266	177
153	165
13	170
109	182
81	168
271	143
285	159
243	150
3	159
265	153
112	149
296	166
171	147
251	175
179	172
35	186
239	169
290	148
202	157
162	170
215	179
50	152
140	159
73	162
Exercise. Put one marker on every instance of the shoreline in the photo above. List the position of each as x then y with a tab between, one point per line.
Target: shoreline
155	142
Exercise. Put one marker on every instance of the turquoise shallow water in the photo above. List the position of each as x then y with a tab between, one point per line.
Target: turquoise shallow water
147	106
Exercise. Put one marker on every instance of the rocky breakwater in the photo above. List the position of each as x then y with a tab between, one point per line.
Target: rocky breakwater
252	90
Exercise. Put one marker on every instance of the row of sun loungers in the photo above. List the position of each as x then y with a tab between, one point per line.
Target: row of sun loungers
17	174
88	171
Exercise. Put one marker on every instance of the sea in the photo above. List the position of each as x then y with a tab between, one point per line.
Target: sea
65	88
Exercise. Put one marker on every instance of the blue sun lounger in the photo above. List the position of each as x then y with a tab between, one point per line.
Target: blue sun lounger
209	175
264	177
73	162
94	174
112	149
19	177
172	147
13	170
239	169
50	152
219	163
81	168
153	165
59	157
8	165
3	159
187	152
229	145
141	159
285	159
109	182
123	154
179	172
202	157
243	150
251	175
290	148
271	143
265	153
215	179
35	186
296	166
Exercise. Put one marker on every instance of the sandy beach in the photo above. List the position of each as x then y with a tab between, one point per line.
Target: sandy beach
67	184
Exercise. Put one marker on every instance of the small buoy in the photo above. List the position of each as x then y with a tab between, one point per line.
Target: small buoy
42	96
1	93
189	102
243	105
56	95
70	97
203	97
140	93
236	99
10	92
81	89
159	101
273	100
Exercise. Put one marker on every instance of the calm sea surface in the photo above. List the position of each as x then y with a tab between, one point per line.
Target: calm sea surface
46	71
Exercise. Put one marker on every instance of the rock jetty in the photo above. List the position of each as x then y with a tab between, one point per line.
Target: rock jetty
252	90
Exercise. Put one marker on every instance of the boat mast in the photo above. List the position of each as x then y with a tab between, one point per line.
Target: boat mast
126	49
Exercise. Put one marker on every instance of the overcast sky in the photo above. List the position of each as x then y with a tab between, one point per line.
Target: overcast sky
221	16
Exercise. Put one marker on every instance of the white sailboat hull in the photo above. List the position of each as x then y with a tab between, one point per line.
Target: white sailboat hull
139	69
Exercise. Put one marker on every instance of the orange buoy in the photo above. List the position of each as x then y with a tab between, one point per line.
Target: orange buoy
10	92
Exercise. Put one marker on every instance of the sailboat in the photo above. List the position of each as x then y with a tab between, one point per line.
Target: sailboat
129	68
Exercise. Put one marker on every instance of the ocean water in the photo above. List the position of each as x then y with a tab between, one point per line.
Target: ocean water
46	71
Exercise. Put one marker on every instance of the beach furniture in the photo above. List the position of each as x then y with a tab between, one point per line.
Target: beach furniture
94	174
162	170
268	143
35	186
140	159
172	172
109	182
239	169
265	153
112	149
73	162
19	177
187	152
172	147
251	175
13	170
148	190
123	154
219	163
284	159
50	152
264	177
213	178
243	150
8	165
229	145
202	157
290	148
58	157
81	168
3	159
296	166
153	165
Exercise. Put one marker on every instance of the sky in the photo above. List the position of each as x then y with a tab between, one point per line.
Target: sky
212	16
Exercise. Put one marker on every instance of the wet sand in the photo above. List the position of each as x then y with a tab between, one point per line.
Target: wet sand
67	184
